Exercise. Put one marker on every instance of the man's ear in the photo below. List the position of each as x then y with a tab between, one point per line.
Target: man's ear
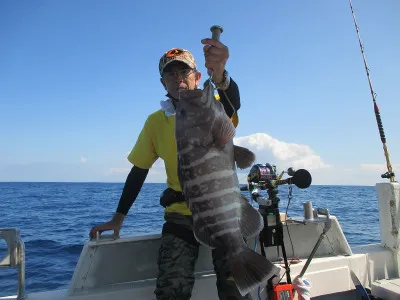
198	77
163	83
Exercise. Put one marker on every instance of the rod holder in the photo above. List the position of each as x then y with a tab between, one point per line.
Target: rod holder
308	210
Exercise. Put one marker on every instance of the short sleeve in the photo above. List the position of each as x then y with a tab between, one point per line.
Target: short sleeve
143	154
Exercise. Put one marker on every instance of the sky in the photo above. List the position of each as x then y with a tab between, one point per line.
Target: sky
79	78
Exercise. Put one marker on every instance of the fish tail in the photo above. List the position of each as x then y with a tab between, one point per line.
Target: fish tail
251	270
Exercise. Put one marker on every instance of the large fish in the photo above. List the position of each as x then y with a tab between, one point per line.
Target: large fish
207	160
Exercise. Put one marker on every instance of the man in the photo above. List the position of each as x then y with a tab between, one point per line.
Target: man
179	249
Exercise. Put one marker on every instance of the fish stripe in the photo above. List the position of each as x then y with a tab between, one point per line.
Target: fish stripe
224	222
216	218
203	159
215	195
212	176
219	210
208	187
214	203
225	231
186	150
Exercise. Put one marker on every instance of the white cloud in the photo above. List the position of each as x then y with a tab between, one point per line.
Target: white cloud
282	154
378	167
83	160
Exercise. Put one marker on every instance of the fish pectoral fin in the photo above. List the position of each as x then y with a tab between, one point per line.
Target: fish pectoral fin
203	234
223	130
251	222
243	157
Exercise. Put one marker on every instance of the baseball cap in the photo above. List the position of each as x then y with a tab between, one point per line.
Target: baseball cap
176	54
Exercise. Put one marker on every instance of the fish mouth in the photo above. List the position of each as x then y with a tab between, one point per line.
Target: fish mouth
181	93
194	96
181	89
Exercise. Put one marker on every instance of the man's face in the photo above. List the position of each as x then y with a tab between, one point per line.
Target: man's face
178	75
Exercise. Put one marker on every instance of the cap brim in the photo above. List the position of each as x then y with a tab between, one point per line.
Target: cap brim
175	61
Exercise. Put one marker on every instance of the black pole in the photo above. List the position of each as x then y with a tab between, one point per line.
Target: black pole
389	174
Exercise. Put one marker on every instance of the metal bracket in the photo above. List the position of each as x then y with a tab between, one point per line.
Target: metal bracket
15	257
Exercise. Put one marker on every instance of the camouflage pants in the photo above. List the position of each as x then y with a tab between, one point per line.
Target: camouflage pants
176	264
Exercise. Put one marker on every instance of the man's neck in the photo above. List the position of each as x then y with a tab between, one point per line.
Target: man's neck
174	101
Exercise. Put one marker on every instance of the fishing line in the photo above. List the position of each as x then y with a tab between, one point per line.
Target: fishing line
286	223
287	228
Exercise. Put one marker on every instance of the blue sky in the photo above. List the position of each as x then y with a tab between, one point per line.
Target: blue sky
78	79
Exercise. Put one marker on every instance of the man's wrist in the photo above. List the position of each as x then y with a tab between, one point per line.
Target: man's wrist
223	84
118	218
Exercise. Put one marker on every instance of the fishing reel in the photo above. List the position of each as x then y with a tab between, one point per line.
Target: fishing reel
264	177
260	178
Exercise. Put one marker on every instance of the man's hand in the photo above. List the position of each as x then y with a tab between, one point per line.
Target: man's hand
115	224
216	55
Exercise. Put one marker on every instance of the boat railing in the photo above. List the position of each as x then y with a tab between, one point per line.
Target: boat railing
15	257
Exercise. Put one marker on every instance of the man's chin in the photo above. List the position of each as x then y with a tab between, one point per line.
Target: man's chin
176	94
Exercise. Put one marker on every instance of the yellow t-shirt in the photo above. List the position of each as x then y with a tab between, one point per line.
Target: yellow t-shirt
157	140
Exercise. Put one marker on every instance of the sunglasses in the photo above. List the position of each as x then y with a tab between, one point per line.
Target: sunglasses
178	74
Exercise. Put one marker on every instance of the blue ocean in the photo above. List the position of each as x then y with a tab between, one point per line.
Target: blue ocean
55	219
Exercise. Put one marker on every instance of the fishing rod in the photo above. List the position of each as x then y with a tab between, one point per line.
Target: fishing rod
389	174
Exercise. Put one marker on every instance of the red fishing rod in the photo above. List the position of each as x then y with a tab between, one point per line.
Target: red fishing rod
389	174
